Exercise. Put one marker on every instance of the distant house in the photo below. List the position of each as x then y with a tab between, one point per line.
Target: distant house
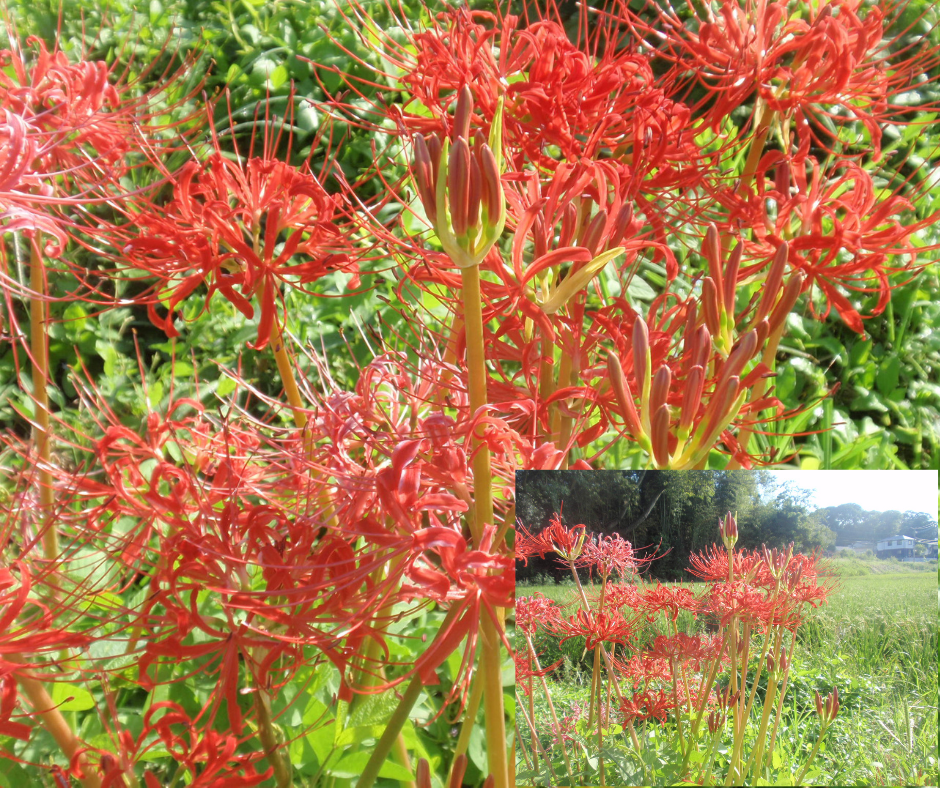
931	545
899	546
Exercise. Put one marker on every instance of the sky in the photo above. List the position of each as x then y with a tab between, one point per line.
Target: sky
879	491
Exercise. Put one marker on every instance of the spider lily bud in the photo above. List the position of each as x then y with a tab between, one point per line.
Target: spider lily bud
691	398
832	705
624	397
458	770
731	281
470	181
729	530
716	722
774	281
712	251
425	176
423	774
791	292
710	306
660	430
641	358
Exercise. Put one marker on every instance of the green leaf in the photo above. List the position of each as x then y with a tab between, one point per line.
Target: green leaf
71	697
887	377
355	763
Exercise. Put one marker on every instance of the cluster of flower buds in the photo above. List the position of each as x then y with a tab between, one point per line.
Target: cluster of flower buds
828	709
729	530
776	560
458	182
778	668
716	722
684	441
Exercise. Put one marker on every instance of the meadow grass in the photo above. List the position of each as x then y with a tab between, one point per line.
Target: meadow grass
876	640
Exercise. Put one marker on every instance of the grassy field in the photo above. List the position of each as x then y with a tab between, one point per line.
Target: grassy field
876	640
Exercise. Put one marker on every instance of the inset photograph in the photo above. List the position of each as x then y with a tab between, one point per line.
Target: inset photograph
747	627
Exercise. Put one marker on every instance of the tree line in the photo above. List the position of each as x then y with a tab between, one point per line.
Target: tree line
675	513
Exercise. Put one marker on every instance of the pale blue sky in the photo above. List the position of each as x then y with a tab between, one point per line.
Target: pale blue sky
914	491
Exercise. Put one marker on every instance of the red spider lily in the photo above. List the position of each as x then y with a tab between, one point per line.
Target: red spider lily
27	625
238	227
647	705
644	667
84	114
609	555
525	672
737	600
465	581
668	599
535	611
800	61
578	97
711	565
681	648
603	627
208	755
558	538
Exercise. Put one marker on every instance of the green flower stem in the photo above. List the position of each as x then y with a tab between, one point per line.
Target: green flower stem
469	721
392	729
42	432
822	732
758	754
768	358
783	693
53	721
491	659
282	770
538	744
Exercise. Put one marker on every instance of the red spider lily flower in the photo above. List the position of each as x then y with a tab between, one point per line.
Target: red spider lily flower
647	705
609	555
28	626
617	595
737	600
800	62
562	98
209	755
535	611
567	542
603	627
463	578
668	599
525	672
644	667
681	648
238	227
711	565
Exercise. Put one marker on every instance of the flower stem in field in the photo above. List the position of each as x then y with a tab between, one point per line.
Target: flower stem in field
55	723
39	353
491	659
282	770
469	721
535	658
395	723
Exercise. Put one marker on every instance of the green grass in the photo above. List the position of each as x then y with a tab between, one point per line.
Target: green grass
876	640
